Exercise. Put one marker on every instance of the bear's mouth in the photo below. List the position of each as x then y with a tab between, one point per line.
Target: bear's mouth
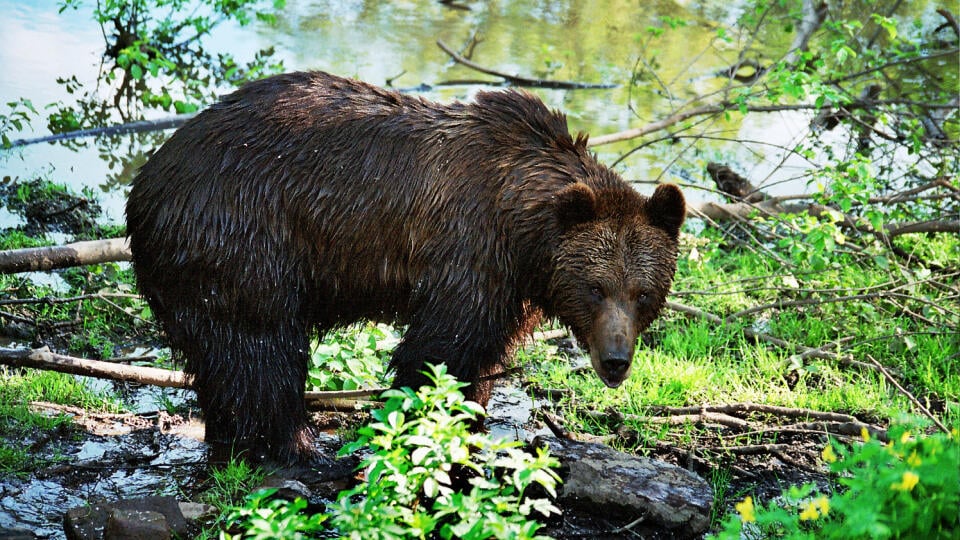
612	380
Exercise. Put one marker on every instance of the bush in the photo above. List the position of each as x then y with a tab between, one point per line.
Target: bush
906	488
428	476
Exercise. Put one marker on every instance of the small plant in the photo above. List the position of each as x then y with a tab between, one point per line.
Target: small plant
263	518
231	482
353	358
420	441
906	488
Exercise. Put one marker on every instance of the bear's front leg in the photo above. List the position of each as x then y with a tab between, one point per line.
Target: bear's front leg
474	345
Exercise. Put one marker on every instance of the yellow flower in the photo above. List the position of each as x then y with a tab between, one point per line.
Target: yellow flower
823	504
815	508
828	454
864	434
914	460
745	509
906	483
905	437
809	512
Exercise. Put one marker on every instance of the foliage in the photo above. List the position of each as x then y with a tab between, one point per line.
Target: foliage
428	476
88	311
352	358
153	59
908	487
422	447
156	60
19	117
264	518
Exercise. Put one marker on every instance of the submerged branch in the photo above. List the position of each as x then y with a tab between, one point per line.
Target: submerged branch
139	126
518	80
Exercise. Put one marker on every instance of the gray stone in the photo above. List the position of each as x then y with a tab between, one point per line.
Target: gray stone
604	481
136	525
16	534
90	522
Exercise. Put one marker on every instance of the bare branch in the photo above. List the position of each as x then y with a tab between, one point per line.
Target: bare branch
121	129
516	79
43	358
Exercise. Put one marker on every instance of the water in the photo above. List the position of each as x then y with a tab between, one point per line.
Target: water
395	42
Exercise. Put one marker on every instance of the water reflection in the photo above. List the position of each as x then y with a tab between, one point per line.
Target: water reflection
379	42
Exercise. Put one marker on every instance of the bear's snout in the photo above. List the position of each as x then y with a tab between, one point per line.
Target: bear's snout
611	350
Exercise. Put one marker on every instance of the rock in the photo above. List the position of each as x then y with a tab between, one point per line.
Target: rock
604	481
136	525
96	520
16	534
287	488
195	511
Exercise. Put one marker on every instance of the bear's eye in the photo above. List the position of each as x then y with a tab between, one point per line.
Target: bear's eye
643	297
596	293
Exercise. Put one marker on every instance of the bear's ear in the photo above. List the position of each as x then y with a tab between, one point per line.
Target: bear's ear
666	208
575	204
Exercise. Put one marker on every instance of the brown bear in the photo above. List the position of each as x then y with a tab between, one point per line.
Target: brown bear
304	202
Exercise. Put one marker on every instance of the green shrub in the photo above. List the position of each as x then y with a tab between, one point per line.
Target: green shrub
418	440
906	488
428	476
356	357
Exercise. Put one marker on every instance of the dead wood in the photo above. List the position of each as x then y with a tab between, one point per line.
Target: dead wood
913	399
120	129
748	408
13	261
45	359
801	350
814	14
735	186
517	80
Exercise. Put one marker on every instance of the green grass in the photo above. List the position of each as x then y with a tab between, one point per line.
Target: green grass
20	426
14	239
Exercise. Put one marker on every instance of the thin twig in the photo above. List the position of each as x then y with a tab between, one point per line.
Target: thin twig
916	402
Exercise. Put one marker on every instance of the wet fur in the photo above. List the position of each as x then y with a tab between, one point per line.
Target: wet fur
305	202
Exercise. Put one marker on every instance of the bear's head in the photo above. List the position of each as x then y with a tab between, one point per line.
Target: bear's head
613	267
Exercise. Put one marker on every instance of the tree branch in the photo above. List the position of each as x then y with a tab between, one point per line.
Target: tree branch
45	359
516	79
120	129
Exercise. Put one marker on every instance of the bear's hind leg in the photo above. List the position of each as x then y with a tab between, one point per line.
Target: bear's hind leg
250	386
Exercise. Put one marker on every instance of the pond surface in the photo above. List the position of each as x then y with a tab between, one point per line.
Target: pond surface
395	43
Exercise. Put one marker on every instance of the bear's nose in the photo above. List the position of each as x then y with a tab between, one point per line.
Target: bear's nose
615	366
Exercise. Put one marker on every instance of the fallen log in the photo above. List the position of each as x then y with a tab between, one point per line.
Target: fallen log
86	252
608	482
44	358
